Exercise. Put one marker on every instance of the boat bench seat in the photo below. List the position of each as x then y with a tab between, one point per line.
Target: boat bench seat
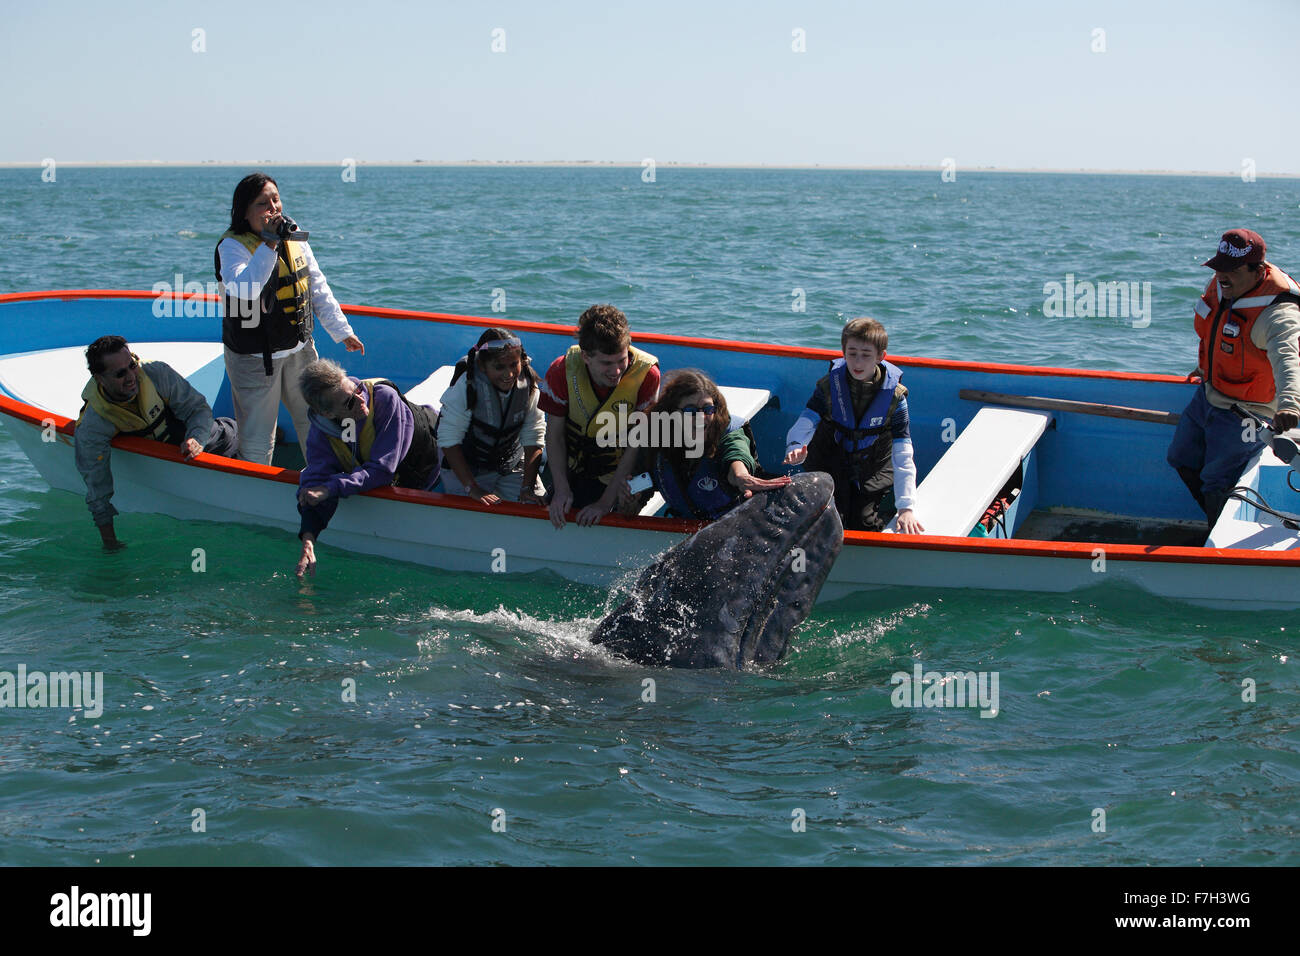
429	392
742	404
958	490
52	379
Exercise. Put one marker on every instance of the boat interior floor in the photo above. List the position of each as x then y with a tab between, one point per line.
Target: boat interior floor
1060	524
287	454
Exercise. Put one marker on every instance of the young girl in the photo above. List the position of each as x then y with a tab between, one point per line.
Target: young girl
491	430
705	487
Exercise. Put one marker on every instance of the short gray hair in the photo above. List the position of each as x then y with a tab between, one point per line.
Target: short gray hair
319	379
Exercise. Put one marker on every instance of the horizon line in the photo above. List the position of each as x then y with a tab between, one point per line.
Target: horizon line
619	164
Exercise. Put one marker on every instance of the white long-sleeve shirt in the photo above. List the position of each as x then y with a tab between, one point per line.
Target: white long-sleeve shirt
454	420
246	274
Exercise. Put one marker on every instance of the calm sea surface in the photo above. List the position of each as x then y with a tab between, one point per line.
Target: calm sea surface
478	699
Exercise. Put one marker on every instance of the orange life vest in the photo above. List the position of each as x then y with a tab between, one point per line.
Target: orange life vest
1233	364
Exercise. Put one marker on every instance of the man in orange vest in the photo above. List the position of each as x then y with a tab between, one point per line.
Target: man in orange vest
1248	322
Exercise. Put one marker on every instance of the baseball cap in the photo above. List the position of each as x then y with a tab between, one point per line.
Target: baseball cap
1237	247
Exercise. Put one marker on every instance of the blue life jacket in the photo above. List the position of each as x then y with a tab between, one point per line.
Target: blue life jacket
706	495
857	436
865	443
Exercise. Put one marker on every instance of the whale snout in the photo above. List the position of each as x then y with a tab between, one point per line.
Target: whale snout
730	595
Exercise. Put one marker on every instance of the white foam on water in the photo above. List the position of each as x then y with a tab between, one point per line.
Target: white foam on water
872	632
559	638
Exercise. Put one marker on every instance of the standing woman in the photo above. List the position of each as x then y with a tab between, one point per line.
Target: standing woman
273	291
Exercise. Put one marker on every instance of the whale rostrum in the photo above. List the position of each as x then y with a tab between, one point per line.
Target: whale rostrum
729	595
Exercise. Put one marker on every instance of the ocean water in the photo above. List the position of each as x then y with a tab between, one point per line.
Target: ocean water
485	729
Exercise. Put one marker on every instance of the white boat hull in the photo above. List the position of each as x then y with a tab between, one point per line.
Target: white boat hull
1254	564
456	539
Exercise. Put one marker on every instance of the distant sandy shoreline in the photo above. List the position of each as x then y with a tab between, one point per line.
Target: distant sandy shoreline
610	164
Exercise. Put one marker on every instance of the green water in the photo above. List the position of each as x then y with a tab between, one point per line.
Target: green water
224	689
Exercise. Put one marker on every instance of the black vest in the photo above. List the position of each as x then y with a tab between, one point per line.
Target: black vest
489	447
280	320
422	457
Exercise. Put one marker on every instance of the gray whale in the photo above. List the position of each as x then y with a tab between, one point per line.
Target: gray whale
729	595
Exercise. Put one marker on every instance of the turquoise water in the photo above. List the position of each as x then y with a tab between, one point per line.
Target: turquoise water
224	690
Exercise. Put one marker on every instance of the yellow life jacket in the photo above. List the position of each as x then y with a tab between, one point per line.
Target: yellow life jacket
283	317
420	459
584	420
145	416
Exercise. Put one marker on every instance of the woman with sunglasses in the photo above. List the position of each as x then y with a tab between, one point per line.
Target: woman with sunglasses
704	478
364	434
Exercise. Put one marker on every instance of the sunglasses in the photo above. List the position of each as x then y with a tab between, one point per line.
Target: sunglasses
708	409
329	408
121	373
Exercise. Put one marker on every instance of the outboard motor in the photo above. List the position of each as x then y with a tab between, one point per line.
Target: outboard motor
1288	451
1285	448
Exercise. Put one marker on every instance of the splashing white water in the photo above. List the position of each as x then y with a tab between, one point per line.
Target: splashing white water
566	639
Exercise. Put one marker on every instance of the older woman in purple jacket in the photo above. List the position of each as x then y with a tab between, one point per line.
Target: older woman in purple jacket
364	434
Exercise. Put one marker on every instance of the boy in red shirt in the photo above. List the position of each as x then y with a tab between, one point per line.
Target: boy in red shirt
582	388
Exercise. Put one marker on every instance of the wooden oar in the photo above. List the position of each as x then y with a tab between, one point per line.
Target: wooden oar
1066	405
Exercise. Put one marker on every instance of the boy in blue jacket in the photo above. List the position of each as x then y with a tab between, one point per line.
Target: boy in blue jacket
855	427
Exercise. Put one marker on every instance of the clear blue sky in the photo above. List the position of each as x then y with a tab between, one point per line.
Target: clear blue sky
1181	85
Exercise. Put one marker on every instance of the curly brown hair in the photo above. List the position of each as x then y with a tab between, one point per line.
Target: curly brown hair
603	328
678	386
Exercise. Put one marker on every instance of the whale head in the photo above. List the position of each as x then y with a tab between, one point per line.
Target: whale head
730	595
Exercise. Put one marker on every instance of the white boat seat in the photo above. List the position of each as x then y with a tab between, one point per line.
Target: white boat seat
960	487
53	378
429	392
744	403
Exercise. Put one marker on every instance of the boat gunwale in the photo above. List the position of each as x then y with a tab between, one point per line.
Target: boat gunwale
729	345
38	417
1087	551
1012	547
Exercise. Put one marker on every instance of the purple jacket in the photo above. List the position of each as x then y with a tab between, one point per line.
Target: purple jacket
394	430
